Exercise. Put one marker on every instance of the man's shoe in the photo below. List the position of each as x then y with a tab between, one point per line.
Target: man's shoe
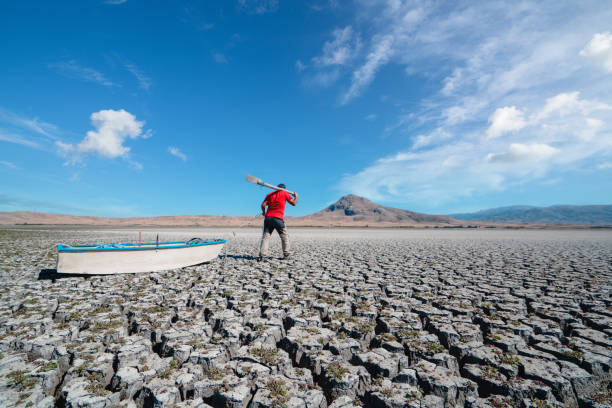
260	258
285	257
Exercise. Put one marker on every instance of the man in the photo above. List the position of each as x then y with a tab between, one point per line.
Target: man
275	201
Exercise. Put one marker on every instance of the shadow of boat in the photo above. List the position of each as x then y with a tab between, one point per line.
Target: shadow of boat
52	274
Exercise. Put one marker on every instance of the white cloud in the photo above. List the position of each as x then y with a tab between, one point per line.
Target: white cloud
451	83
258	6
605	165
340	50
562	104
475	47
115	2
521	152
337	53
323	5
144	82
380	54
206	26
371	116
600	49
21	124
8	164
18	139
220	58
505	120
433	175
112	128
323	79
445	165
399	157
591	128
134	164
28	124
569	103
66	148
456	114
505	111
26	131
175	151
73	70
436	136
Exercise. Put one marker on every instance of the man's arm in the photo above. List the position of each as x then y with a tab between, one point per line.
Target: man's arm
263	208
295	198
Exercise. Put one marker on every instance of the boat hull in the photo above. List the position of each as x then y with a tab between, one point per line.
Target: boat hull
101	261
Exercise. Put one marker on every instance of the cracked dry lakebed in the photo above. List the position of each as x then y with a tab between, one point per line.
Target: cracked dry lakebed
356	317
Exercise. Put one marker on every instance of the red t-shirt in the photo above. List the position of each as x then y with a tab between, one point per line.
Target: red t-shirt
276	203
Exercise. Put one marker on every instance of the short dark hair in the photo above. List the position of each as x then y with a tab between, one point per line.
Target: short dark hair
281	185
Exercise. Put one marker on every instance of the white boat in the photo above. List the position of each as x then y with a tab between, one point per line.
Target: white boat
111	259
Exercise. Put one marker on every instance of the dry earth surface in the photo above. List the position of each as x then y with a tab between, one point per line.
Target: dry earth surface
373	318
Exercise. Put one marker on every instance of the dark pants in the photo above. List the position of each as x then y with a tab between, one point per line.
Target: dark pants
270	225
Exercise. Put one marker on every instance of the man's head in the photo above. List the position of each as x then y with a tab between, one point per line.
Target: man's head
281	185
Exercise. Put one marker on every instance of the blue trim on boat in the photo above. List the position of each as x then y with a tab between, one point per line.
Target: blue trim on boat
133	246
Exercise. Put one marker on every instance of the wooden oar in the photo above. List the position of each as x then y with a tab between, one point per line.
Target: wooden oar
259	182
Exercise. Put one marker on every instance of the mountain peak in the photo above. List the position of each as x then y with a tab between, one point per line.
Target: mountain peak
352	204
354	208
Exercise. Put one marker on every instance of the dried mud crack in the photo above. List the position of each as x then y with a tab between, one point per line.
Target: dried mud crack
372	318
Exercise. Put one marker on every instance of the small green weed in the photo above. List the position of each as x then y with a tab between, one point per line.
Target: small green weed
335	371
278	393
268	356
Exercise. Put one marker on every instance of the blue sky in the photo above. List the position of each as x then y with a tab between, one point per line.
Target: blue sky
127	107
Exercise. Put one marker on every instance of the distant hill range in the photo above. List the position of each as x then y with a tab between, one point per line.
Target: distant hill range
36	218
348	211
556	214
